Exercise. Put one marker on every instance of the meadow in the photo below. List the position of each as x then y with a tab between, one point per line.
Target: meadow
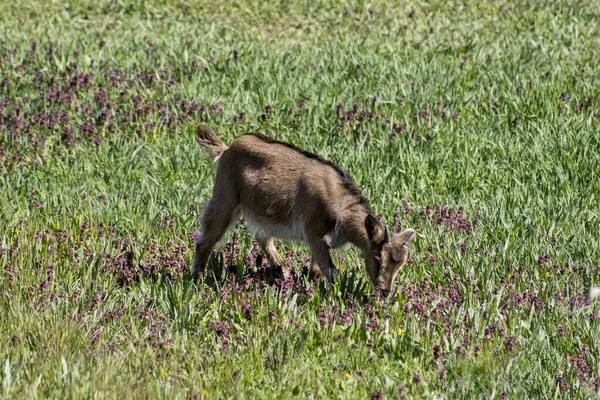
477	123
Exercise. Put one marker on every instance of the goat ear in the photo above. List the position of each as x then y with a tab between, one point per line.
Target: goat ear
375	229
410	235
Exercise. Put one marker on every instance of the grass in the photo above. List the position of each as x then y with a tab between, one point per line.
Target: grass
475	122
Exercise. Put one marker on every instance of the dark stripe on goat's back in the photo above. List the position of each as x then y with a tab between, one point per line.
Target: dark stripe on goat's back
344	176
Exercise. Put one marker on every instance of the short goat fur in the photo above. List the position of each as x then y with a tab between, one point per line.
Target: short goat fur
288	193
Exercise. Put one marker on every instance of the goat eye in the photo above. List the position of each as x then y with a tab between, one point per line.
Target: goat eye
377	260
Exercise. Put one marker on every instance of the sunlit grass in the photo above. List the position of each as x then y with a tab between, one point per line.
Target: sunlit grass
476	123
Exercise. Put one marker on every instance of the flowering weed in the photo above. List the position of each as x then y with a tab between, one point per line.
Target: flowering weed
454	120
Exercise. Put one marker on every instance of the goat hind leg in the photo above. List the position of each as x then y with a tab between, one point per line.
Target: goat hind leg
215	221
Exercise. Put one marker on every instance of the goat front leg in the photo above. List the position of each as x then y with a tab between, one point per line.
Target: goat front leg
315	273
321	264
273	256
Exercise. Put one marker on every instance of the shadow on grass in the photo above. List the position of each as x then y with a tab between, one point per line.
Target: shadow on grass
349	286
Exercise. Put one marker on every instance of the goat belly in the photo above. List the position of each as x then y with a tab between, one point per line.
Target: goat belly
262	227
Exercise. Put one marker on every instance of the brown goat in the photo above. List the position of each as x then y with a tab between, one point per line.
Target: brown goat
288	193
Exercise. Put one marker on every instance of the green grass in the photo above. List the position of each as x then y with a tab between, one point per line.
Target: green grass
96	220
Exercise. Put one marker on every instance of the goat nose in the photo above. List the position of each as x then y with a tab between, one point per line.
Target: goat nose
385	293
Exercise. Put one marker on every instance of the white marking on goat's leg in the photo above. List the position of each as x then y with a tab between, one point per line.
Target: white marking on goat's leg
273	256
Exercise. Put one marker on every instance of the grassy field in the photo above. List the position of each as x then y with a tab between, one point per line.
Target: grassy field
477	123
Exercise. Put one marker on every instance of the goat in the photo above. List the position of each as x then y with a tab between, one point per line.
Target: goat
288	193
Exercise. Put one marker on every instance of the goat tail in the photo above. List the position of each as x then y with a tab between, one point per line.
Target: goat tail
209	141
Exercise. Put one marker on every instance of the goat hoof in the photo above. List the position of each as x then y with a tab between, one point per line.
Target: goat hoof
277	272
